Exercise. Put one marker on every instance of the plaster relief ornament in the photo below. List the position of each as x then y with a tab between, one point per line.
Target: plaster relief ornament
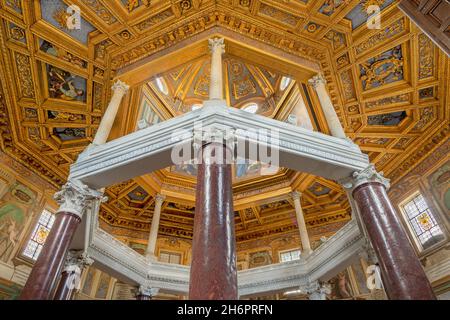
382	69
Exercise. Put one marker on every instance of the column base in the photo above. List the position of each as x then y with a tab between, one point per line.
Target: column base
151	258
215	104
305	254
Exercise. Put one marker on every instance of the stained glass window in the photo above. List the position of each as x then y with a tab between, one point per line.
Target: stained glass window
289	255
170	257
422	222
250	108
39	235
148	116
285	82
162	86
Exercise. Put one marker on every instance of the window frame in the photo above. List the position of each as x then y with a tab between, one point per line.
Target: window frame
285	82
248	105
32	228
162	86
146	97
171	253
280	253
413	237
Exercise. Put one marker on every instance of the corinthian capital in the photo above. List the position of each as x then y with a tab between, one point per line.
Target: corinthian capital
77	260
146	290
296	195
74	196
318	291
120	86
214	134
317	80
159	198
370	174
217	44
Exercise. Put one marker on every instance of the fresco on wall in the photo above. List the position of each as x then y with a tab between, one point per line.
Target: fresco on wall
9	290
88	282
103	286
15	206
259	259
341	287
360	277
440	185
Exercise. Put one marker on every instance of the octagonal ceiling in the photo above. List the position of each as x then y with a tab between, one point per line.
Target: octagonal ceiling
389	87
244	84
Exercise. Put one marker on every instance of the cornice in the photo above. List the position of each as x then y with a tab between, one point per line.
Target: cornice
210	18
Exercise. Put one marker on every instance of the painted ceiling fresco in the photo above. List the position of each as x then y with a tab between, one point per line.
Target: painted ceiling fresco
389	88
244	83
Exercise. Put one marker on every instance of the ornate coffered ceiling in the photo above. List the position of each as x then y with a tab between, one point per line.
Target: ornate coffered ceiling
389	87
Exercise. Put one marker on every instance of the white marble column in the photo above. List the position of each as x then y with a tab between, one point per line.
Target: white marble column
159	199
319	82
301	223
120	89
217	48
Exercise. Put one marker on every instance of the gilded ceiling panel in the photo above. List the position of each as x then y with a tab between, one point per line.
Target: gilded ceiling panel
389	87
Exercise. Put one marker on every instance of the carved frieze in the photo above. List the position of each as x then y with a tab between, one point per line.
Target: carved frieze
426	57
207	21
155	20
25	76
417	155
278	15
392	30
398	99
101	11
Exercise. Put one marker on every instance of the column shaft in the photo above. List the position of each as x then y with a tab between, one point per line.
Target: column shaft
143	297
65	288
213	269
43	276
402	274
153	237
216	82
110	114
333	122
306	245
